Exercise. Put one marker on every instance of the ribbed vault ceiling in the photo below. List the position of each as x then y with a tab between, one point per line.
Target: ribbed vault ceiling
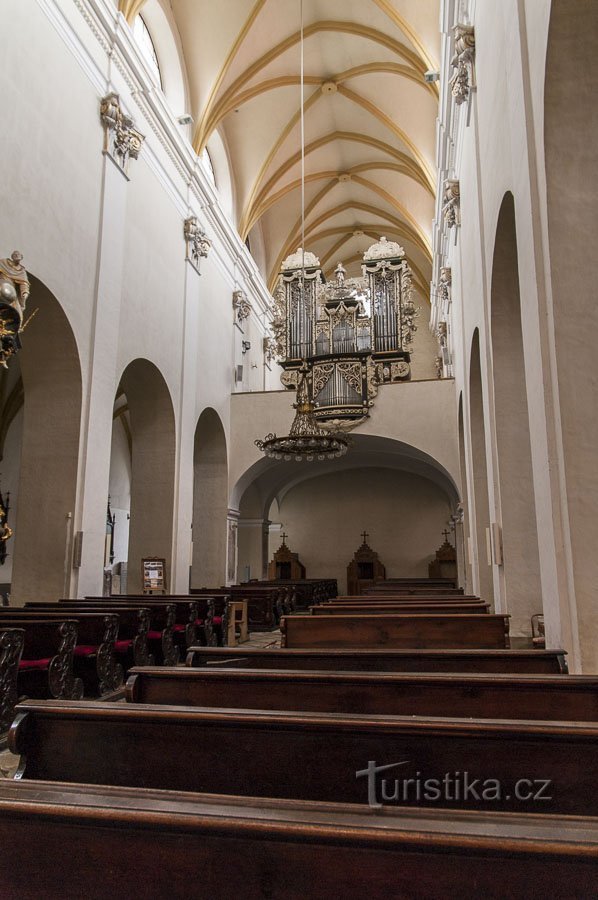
370	119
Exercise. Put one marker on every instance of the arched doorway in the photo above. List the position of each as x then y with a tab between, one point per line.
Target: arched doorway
480	471
150	419
521	561
571	142
210	505
47	455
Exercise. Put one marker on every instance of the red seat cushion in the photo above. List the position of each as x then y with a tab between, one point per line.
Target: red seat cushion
85	649
155	635
122	646
179	627
34	663
217	620
199	621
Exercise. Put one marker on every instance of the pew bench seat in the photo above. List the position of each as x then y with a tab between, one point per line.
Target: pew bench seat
307	756
172	844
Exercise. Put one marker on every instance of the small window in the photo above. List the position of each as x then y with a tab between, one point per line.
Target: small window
146	45
207	164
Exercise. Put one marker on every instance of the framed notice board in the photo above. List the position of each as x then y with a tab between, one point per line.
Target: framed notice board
153	575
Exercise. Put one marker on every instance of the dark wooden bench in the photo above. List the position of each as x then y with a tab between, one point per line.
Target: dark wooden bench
398	631
11	649
141	844
524	661
366	600
131	646
186	623
308	756
383	609
538	697
94	660
516	660
46	665
264	604
163	614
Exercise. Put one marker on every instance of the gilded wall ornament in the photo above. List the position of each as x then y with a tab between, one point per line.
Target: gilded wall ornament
198	243
122	141
463	80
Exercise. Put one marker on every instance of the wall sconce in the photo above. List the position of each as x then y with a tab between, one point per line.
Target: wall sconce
245	346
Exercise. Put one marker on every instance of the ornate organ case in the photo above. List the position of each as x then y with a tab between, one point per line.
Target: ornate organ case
354	334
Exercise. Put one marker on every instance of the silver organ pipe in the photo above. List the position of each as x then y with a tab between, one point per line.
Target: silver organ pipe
354	333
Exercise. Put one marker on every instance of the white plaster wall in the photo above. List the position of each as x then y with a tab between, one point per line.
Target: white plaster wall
419	414
501	149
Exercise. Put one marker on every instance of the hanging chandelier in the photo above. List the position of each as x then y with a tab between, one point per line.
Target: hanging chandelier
306	439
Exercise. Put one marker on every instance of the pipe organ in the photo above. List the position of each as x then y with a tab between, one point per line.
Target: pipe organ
354	334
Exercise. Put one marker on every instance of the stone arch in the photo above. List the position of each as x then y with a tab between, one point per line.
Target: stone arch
521	562
153	450
49	464
210	504
571	141
481	506
269	488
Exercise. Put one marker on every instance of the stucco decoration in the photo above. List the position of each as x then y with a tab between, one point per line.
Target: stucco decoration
198	243
451	207
241	306
463	80
444	287
122	141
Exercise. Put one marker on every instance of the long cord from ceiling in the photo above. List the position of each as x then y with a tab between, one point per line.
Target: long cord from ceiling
302	114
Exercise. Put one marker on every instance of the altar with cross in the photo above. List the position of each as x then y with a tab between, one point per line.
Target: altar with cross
285	565
365	568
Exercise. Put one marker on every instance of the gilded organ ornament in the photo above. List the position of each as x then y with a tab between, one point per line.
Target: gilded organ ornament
353	333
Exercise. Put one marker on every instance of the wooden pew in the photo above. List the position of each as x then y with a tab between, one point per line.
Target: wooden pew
11	649
130	647
96	840
365	599
550	697
46	665
163	614
523	661
383	609
307	756
263	603
94	660
398	631
180	633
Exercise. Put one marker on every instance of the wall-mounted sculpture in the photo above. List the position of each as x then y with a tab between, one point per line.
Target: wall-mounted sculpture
14	291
